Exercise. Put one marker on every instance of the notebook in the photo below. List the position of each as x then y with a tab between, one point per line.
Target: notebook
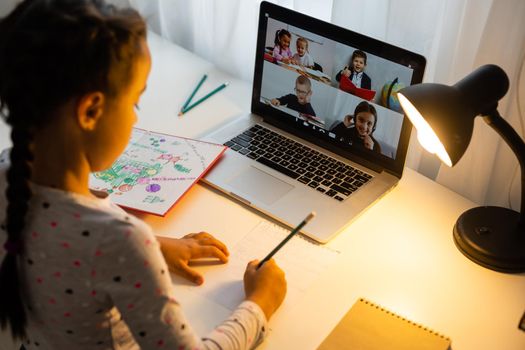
155	171
297	151
367	326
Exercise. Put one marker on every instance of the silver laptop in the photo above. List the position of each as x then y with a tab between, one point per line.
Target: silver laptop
325	132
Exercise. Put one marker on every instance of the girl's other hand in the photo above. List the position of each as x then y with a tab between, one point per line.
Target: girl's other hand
179	252
265	286
348	120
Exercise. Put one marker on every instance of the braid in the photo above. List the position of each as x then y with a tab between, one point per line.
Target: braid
277	36
52	51
18	194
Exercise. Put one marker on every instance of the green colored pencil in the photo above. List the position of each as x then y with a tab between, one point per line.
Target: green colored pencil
184	110
194	92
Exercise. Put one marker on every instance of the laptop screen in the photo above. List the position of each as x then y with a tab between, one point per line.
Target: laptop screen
334	87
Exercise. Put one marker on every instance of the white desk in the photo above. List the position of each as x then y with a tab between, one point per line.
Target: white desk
399	254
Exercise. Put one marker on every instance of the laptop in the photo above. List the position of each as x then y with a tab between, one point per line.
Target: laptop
320	136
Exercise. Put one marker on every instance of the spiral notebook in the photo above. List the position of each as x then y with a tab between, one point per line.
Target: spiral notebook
367	326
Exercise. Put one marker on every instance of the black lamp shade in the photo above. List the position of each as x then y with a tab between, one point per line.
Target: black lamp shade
450	110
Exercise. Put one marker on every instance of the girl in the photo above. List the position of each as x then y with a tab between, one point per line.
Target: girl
79	272
358	129
281	50
302	57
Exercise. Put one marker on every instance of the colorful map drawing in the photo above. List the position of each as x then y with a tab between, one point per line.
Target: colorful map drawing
155	170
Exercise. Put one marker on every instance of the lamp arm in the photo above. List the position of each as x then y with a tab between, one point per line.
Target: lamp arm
511	137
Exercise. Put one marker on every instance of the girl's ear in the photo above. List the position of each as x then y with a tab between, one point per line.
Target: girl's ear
90	108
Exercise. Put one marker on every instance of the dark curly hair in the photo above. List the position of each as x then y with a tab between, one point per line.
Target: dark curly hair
52	51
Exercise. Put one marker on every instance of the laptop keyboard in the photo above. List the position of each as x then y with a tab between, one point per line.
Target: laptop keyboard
304	164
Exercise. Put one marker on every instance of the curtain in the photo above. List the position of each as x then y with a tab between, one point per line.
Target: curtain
221	31
457	36
489	172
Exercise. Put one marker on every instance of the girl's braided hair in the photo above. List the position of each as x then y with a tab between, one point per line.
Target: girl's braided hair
52	51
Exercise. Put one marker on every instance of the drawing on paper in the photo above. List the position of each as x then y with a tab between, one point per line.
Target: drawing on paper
155	170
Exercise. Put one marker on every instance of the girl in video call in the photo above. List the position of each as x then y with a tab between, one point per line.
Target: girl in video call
302	57
359	127
281	50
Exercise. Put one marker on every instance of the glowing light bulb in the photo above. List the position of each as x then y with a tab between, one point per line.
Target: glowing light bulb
425	135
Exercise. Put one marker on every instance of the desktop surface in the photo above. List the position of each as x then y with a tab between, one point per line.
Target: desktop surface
406	262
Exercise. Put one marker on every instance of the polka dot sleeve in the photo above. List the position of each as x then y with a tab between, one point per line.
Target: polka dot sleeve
133	273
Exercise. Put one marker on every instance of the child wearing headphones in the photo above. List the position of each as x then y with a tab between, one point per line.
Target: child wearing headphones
359	128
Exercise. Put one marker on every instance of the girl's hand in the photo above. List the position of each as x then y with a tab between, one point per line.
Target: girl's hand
368	142
286	60
265	286
275	102
179	252
348	120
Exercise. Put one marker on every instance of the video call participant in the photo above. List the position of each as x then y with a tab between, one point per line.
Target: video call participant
359	128
301	101
281	50
355	71
302	57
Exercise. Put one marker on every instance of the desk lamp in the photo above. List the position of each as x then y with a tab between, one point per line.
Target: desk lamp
443	116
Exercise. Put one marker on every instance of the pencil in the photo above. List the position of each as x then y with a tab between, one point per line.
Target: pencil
193	93
222	86
283	242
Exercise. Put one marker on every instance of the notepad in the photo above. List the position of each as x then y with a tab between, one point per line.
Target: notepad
367	326
155	171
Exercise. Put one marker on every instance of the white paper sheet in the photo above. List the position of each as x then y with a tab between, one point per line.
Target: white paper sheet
301	260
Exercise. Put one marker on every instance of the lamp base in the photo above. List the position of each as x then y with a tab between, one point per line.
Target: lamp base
491	237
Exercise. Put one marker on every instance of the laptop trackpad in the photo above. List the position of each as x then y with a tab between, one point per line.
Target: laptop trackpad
254	183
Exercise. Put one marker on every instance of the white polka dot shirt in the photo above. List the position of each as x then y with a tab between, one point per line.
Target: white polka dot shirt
93	277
